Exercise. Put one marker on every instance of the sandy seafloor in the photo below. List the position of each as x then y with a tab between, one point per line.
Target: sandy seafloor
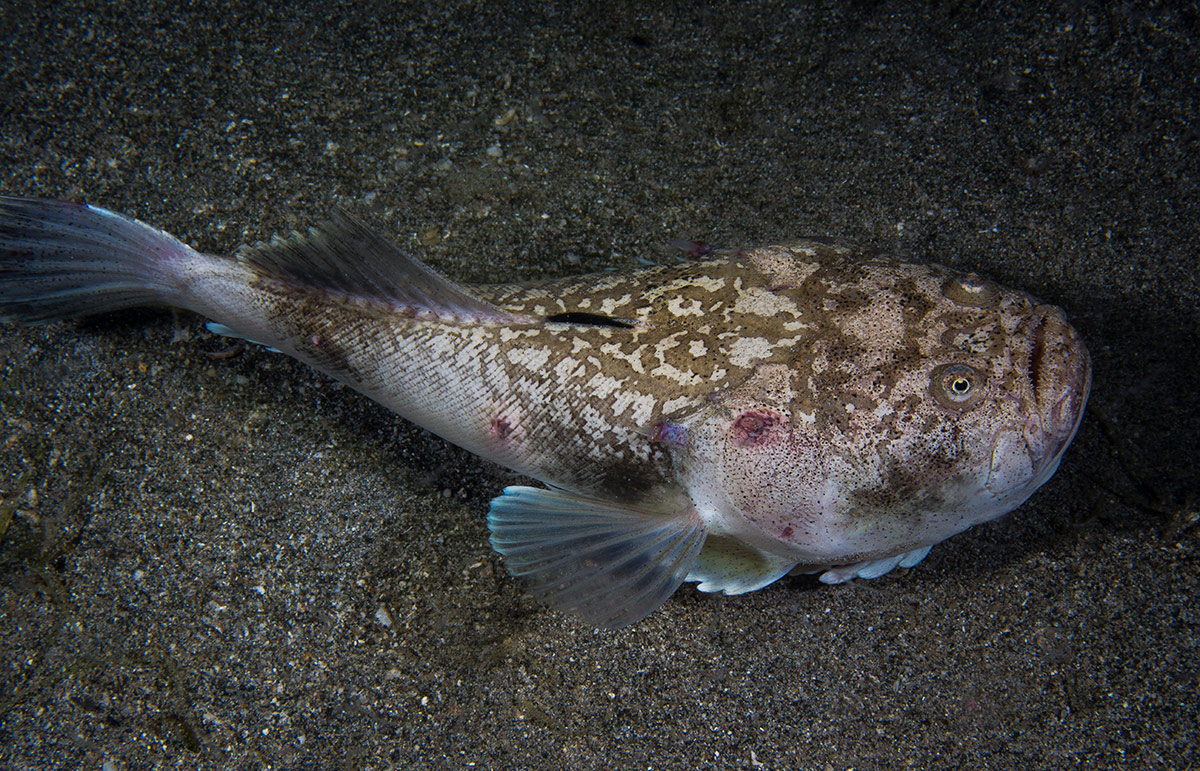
217	558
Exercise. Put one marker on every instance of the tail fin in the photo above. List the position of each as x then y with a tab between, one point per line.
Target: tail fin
59	260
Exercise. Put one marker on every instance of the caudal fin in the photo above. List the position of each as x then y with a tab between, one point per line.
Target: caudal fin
59	260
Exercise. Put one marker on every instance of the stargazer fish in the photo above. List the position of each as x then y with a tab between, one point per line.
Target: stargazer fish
801	407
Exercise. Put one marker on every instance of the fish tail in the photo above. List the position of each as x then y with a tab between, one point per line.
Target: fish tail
59	260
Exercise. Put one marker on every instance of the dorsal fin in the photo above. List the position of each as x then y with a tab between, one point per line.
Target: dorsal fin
344	256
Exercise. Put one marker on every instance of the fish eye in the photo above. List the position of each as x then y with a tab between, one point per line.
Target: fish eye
969	289
957	386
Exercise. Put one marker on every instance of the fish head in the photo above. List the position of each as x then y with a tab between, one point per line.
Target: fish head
926	401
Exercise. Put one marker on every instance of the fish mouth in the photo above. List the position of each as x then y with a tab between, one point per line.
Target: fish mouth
1060	379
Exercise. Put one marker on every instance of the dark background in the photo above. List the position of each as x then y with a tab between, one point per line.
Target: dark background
215	558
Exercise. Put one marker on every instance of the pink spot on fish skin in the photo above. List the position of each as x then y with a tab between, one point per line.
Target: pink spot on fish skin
670	433
754	428
786	532
500	428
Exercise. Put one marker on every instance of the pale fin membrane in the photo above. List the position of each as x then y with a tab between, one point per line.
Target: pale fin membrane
224	331
59	260
611	565
874	568
729	566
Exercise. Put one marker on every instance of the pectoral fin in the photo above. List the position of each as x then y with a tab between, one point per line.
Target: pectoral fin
730	566
609	563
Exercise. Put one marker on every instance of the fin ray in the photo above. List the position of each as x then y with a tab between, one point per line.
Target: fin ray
59	260
342	255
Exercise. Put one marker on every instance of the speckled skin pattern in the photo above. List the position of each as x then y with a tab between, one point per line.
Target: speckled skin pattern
806	401
794	407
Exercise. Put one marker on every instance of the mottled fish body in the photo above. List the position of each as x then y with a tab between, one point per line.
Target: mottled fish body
797	407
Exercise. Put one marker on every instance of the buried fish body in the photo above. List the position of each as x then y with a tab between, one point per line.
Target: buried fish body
802	407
